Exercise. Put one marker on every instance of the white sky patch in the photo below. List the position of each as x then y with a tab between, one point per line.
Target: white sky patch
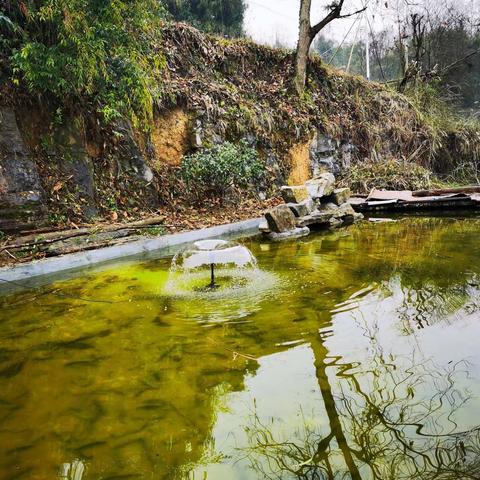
276	21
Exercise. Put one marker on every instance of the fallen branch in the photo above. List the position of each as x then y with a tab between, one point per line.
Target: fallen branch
55	236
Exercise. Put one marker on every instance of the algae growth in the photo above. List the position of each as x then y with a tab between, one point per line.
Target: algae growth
356	356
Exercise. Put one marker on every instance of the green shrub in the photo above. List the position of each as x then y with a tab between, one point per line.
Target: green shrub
219	170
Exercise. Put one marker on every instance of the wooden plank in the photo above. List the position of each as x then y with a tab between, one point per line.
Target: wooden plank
444	191
453	203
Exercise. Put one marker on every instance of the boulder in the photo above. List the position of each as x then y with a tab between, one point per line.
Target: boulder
321	186
280	219
295	233
295	194
341	196
303	208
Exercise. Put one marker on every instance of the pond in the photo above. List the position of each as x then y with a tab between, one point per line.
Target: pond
355	356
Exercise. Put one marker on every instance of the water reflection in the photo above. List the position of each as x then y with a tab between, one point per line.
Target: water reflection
394	428
362	362
72	471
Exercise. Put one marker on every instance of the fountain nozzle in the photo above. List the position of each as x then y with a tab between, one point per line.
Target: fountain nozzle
212	285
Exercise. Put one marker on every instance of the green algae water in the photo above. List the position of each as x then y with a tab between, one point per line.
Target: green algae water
352	354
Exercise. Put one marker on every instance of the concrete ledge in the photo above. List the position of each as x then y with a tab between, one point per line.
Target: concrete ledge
139	248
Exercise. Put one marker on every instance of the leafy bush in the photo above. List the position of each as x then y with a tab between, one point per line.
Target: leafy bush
216	171
80	51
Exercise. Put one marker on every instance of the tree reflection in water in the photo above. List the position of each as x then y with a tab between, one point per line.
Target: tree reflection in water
385	432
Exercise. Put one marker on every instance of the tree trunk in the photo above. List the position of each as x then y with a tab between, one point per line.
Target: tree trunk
303	46
307	33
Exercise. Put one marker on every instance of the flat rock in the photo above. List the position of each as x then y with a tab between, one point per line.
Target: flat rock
321	186
280	219
303	208
340	196
315	218
263	227
295	233
294	194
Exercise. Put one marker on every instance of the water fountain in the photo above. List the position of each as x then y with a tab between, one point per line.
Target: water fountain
211	255
218	281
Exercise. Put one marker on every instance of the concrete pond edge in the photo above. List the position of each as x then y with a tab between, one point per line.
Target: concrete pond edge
139	248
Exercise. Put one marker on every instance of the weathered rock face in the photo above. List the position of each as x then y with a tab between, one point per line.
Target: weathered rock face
272	164
20	188
341	196
321	186
294	194
129	154
280	219
322	154
75	163
329	155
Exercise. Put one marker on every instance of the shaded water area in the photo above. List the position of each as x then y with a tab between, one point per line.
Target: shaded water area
356	355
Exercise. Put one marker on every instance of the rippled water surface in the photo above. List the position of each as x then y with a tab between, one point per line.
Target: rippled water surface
355	356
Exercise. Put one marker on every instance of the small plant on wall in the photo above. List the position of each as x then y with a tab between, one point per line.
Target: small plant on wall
220	171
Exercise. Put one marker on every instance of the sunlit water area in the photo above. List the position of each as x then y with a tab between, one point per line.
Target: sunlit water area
352	354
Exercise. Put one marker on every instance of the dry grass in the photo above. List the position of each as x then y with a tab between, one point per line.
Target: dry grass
388	175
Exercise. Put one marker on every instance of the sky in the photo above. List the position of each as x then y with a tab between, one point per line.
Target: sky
269	20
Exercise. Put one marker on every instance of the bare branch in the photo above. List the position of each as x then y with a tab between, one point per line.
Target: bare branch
353	13
335	13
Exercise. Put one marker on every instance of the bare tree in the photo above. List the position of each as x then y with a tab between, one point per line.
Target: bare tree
308	32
